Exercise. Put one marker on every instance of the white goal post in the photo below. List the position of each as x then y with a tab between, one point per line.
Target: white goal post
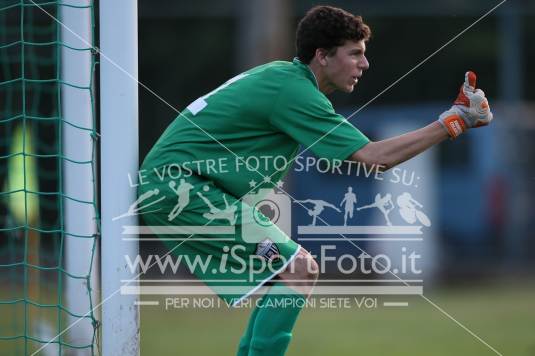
119	315
119	157
79	175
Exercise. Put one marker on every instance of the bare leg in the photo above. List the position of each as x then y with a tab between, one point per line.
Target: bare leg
270	327
303	269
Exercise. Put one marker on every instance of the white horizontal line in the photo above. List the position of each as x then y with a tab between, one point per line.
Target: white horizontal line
396	304
359	239
289	280
178	239
360	280
360	230
147	302
178	230
234	290
181	280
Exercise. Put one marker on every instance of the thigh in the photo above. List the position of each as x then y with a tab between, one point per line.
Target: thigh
223	233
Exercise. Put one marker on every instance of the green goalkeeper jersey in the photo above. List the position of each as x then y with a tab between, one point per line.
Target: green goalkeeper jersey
252	126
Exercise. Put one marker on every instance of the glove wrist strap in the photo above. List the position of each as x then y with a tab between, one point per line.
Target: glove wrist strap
455	125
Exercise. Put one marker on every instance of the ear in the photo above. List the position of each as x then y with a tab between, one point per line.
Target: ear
321	56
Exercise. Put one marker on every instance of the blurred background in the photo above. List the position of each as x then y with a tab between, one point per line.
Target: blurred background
478	255
478	187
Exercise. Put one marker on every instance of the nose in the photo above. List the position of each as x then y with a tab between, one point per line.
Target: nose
364	64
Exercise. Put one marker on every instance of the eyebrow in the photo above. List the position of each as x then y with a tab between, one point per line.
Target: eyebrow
357	51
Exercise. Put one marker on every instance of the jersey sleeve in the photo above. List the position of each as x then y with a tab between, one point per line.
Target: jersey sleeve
306	115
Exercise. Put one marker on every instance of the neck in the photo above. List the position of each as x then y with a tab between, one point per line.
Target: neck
324	84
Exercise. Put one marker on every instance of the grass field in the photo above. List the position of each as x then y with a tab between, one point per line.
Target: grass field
502	315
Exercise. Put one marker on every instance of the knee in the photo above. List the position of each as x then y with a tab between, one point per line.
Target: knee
305	267
308	267
302	273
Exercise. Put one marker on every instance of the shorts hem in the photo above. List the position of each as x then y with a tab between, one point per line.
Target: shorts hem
261	283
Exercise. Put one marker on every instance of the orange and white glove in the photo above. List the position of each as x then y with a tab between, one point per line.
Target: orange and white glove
470	109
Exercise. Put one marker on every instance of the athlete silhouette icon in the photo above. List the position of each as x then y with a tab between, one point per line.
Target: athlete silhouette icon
319	206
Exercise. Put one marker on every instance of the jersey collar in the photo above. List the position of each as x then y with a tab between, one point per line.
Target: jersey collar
308	72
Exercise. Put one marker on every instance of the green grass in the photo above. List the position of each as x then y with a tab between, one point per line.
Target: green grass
503	316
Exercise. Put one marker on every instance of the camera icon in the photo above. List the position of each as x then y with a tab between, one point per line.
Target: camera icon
264	215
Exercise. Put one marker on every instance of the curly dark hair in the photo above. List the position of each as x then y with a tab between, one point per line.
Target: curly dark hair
327	27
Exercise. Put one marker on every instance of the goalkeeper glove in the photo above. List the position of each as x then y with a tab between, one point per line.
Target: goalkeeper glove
470	109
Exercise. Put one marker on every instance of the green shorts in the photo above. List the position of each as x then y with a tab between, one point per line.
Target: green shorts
199	221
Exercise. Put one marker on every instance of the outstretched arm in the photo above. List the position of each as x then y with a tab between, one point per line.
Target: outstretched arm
395	150
304	201
470	109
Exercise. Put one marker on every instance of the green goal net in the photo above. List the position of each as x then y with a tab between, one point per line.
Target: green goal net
37	315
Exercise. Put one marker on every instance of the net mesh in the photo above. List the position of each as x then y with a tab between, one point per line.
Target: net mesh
34	305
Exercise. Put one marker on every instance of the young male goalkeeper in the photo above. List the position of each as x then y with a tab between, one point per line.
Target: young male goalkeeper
269	111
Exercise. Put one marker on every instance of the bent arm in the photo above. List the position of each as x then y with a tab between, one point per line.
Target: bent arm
395	150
